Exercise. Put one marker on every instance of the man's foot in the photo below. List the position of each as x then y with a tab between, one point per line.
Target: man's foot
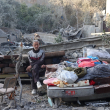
39	85
34	91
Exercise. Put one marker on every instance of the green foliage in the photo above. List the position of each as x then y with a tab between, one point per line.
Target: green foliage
59	38
35	18
8	17
27	19
41	18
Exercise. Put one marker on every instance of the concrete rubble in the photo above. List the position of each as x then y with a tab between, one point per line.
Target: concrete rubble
72	50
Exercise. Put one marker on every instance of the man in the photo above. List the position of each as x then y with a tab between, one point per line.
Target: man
36	59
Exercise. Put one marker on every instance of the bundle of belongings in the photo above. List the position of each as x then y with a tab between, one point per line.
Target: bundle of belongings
84	72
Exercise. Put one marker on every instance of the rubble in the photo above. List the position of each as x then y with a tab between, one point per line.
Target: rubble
97	103
40	102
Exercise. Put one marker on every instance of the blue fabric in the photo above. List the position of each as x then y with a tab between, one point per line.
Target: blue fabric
96	63
93	58
30	74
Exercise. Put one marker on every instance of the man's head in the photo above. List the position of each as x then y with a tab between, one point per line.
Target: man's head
36	44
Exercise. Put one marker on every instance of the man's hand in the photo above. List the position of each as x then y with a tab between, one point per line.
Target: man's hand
43	66
28	69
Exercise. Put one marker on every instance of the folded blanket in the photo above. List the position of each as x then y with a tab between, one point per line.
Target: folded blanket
98	71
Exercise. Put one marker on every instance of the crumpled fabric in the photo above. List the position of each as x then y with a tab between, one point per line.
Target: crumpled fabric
98	71
86	64
50	74
69	64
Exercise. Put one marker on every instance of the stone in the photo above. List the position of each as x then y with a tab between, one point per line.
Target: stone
80	108
100	108
26	107
43	106
6	108
12	104
105	109
22	105
32	108
12	109
74	55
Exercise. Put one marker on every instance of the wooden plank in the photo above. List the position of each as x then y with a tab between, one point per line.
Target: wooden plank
9	75
9	57
1	57
2	80
48	54
104	88
3	65
54	54
99	81
12	65
101	33
11	70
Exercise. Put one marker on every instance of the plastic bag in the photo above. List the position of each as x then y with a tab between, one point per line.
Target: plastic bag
98	53
68	76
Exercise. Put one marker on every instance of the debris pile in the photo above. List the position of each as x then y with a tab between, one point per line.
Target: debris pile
88	74
70	33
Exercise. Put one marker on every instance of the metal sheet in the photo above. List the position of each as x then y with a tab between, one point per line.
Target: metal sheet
71	92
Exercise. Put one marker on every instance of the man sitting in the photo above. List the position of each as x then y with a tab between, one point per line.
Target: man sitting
36	59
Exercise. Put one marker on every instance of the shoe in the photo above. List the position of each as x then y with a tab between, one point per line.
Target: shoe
34	91
39	85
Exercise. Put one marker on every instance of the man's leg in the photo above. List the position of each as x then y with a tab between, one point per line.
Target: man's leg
35	71
34	87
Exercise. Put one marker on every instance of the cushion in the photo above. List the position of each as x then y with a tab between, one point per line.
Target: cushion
1	85
3	90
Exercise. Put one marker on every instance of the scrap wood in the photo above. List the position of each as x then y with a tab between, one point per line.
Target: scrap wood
12	70
7	56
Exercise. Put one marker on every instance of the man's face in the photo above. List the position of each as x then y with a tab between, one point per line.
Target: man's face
36	45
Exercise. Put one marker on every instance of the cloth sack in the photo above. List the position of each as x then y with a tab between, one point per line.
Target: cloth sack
80	72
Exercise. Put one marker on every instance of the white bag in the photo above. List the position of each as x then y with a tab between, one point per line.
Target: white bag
98	53
68	76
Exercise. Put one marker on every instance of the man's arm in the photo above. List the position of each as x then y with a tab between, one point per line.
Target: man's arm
29	58
42	57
